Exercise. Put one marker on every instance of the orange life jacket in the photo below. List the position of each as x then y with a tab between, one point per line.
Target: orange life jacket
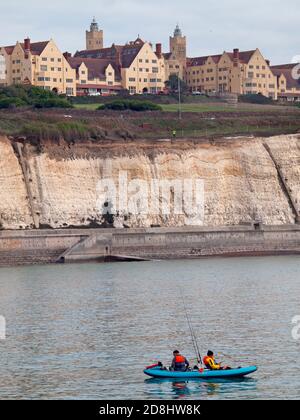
179	359
210	363
206	361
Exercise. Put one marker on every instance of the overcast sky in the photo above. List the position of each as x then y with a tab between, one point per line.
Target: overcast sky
211	26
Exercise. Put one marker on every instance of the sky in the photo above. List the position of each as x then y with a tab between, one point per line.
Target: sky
211	27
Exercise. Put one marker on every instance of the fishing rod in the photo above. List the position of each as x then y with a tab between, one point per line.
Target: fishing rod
193	335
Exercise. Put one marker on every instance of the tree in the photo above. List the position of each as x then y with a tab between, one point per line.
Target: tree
172	84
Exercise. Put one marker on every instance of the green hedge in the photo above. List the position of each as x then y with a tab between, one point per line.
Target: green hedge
7	103
255	99
126	104
17	96
52	103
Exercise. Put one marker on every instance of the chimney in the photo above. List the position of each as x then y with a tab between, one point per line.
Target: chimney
158	51
27	47
236	57
268	62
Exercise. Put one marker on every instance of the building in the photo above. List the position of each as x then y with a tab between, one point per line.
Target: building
288	81
38	64
94	37
95	76
176	59
142	70
239	72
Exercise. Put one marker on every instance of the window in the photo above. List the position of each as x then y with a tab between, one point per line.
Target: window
59	69
44	58
155	70
70	91
44	79
44	68
83	82
110	83
131	79
59	60
52	60
69	80
154	61
250	75
52	69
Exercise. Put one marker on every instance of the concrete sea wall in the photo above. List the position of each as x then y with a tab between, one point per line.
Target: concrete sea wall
165	243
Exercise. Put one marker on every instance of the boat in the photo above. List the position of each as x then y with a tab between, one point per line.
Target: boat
159	372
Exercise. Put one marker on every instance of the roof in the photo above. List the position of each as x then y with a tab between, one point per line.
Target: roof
167	56
36	48
122	54
96	66
9	49
200	61
287	71
244	57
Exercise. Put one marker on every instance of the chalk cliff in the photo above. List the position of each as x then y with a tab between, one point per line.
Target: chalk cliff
57	185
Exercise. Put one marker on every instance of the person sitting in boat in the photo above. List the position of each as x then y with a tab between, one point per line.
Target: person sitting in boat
210	363
180	363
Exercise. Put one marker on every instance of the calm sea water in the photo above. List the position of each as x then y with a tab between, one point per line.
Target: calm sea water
87	331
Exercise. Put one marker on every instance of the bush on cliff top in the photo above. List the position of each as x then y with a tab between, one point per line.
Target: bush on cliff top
10	103
255	99
127	104
17	96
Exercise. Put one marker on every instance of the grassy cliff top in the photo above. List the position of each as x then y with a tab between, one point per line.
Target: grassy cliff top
198	121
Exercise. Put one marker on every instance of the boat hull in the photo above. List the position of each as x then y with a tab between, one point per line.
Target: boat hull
159	373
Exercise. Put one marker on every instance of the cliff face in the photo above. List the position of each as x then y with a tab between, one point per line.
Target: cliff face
14	209
241	182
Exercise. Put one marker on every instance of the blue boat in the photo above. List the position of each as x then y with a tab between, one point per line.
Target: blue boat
161	373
